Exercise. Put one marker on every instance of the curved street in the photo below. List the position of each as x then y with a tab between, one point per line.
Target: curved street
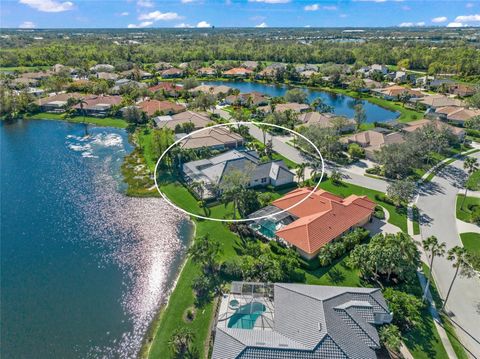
436	202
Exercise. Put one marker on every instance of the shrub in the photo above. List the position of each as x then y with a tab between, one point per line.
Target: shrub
384	198
379	213
391	337
406	308
333	250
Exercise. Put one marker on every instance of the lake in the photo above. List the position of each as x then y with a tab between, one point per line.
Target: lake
83	267
342	104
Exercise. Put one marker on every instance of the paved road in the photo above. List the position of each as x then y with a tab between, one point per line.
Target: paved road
296	156
437	202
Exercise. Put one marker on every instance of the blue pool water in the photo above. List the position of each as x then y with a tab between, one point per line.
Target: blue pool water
246	316
342	104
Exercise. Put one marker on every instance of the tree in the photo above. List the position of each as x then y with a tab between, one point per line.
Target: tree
434	249
249	202
301	171
189	83
232	185
386	255
474	100
356	84
339	124
204	101
296	95
473	123
336	176
470	165
460	261
205	252
406	308
401	191
360	115
317	167
269	148
356	151
391	337
134	115
180	341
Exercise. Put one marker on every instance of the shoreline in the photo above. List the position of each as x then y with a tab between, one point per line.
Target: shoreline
154	325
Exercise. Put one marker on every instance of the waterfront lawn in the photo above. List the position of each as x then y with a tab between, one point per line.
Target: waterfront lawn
465	213
105	122
397	215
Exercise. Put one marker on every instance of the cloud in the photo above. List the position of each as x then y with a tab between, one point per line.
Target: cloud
203	24
145	3
343	16
468	18
469	5
315	7
465	20
139	26
257	18
406	8
27	25
125	13
160	16
455	24
187	1
412	24
49	5
271	1
263	24
183	26
439	19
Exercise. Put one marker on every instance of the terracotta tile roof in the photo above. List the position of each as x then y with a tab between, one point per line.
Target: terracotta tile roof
58	97
398	90
167	86
94	100
321	218
237	71
152	106
282	107
455	113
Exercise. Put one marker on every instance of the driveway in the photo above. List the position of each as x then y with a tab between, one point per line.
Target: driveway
288	151
437	204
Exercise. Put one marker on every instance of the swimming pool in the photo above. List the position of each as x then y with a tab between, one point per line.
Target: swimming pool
246	315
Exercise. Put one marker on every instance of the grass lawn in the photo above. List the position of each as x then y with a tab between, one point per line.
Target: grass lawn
471	241
397	215
448	326
106	122
416	223
474	181
465	213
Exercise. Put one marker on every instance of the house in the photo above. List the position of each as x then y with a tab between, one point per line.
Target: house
379	68
253	98
424	81
237	72
271	70
217	138
461	90
307	74
32	78
456	114
160	66
400	76
373	140
198	120
98	106
212	89
437	83
436	101
106	76
212	171
102	68
136	73
56	103
416	125
251	65
151	107
325	120
395	92
299	321
321	218
170	88
206	71
283	107
122	83
172	73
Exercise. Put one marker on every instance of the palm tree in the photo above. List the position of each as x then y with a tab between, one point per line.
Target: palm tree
264	129
470	165
180	341
459	256
81	101
435	249
301	171
317	167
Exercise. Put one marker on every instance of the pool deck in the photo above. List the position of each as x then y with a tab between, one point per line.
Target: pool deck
263	322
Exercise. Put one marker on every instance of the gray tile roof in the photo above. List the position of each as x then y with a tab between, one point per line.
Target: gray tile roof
311	322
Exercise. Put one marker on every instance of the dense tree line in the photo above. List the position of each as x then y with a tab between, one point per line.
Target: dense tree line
450	56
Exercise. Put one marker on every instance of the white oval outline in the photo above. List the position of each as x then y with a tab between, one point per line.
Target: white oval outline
242	219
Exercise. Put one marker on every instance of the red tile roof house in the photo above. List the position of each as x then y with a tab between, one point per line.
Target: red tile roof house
152	107
172	73
320	219
237	72
99	105
170	88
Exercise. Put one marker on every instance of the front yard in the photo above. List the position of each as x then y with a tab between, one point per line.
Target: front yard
470	209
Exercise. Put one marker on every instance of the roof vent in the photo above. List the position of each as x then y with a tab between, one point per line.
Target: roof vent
260	343
319	326
283	345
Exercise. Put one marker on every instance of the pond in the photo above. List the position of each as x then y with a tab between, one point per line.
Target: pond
342	104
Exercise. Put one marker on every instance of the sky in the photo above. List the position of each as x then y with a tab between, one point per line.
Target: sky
236	13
